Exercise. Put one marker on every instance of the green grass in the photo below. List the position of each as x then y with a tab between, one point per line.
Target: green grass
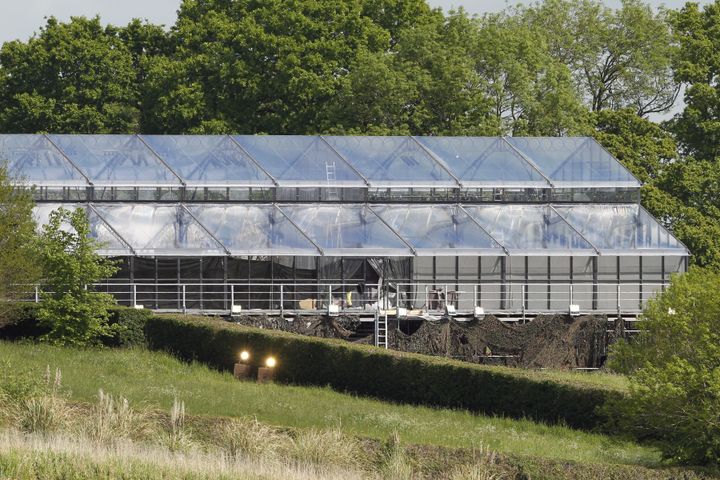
156	379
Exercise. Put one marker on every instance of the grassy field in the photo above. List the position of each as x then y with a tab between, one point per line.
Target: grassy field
155	380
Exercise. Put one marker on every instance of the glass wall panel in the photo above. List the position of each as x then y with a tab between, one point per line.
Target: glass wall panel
399	161
253	229
489	292
35	160
531	229
295	160
445	269
351	230
159	229
607	279
674	265
437	229
207	159
484	161
617	228
569	161
115	159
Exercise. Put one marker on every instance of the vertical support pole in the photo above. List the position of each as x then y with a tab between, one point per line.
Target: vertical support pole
282	299
475	296
134	295
523	290
184	307
329	297
595	283
571	294
232	296
37	294
617	297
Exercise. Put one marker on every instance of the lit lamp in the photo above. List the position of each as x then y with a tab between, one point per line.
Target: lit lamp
241	370
267	373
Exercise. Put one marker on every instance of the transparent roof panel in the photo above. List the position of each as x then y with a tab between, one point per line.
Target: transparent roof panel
159	229
253	229
296	160
438	229
112	245
208	160
34	159
347	230
530	229
115	160
617	229
484	161
574	161
392	161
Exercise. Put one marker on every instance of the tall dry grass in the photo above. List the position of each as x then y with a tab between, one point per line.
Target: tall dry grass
59	456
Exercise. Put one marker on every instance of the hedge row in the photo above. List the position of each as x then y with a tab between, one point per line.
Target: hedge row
19	320
389	375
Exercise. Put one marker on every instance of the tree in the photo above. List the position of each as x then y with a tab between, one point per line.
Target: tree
74	313
530	91
698	66
674	369
18	268
74	77
676	190
619	58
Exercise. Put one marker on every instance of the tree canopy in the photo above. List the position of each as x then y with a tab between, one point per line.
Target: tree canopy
555	67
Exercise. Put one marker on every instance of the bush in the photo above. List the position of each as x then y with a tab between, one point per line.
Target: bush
390	375
674	369
19	320
127	325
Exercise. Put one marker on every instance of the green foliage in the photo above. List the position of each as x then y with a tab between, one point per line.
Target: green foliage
618	58
17	235
674	367
74	77
381	373
128	327
73	313
697	65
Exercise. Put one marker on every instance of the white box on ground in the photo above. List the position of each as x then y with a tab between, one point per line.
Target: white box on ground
401	312
574	309
236	309
138	306
450	309
479	311
334	309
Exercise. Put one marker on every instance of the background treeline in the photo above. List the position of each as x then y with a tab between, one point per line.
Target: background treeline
559	67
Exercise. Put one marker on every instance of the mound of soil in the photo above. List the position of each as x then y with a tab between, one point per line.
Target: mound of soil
315	326
548	341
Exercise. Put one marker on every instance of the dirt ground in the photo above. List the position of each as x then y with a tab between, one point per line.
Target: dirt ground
548	341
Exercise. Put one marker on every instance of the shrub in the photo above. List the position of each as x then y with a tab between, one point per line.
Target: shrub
19	320
674	369
127	327
73	314
390	375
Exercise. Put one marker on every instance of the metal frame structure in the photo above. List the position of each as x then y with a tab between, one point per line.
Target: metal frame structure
395	212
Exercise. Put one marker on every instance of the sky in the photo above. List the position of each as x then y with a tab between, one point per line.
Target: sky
20	18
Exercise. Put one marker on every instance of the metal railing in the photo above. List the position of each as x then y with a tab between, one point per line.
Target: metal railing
505	298
529	298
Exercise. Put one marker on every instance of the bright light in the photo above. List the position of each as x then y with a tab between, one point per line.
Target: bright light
244	355
270	362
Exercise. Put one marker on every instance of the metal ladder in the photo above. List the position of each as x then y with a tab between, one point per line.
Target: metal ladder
381	330
332	192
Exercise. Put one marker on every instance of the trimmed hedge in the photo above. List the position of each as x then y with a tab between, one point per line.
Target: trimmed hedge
19	320
385	374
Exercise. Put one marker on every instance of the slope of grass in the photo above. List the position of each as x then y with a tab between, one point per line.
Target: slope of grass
156	379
